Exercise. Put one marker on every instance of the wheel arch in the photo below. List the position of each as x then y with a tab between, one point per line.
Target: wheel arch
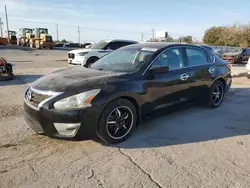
222	80
130	99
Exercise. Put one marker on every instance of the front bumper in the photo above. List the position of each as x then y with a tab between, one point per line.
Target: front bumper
248	67
76	61
63	124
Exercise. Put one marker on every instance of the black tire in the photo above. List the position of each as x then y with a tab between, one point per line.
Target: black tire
213	100
239	61
91	61
104	129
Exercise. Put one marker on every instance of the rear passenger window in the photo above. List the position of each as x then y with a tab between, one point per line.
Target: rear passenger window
210	58
195	57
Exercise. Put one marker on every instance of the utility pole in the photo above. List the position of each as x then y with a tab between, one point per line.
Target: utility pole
108	35
79	32
57	37
153	33
7	23
142	37
1	29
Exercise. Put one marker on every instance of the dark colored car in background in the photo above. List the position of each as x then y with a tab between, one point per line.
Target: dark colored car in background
217	52
122	88
237	56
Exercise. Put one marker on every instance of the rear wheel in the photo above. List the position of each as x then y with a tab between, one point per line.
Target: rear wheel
91	61
216	94
117	121
38	45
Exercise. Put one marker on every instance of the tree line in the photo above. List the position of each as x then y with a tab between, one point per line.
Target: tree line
186	39
236	35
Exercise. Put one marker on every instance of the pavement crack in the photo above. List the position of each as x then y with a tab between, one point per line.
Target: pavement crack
140	168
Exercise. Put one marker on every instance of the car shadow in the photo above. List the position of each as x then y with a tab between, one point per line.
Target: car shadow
193	124
20	79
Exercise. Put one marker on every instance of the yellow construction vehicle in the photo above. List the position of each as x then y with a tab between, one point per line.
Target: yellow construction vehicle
3	41
25	36
12	37
41	39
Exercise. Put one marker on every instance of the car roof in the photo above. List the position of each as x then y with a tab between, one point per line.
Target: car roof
158	45
122	40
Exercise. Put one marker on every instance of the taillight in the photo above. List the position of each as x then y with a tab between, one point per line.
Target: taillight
2	62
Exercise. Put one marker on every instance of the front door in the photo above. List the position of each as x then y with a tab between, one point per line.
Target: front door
167	88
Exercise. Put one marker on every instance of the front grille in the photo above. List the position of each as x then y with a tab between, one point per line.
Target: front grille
35	98
35	125
71	56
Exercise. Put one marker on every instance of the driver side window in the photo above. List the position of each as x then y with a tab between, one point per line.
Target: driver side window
171	57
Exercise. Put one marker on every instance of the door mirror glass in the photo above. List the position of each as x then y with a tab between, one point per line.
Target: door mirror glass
159	69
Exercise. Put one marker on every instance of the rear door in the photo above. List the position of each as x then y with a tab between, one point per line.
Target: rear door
201	65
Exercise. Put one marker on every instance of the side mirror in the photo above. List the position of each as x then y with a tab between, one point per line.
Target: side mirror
160	69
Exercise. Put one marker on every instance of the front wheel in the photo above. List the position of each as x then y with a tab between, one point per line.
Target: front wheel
117	121
91	61
216	94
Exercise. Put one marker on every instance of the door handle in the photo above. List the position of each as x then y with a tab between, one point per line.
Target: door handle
211	69
184	76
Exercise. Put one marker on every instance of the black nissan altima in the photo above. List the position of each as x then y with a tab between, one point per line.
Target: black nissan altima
122	88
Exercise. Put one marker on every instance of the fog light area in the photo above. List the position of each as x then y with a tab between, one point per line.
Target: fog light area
67	129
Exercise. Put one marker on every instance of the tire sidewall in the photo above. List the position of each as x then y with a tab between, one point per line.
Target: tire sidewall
211	102
102	128
91	61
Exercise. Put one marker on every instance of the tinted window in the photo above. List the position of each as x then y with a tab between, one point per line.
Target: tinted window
195	57
113	45
210	58
172	58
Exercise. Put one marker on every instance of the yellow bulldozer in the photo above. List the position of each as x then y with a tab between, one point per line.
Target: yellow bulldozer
25	36
12	37
3	41
41	39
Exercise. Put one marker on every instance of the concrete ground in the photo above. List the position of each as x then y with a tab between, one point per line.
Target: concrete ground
195	147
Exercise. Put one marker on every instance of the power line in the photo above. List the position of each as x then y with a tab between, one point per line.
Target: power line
80	27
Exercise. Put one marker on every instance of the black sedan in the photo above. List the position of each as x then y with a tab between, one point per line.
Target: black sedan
122	88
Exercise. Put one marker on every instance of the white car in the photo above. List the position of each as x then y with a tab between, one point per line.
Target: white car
248	68
86	57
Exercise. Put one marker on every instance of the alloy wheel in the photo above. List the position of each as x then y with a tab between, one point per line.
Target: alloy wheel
119	122
218	94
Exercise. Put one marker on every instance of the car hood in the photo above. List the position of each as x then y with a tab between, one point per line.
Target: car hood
75	78
231	54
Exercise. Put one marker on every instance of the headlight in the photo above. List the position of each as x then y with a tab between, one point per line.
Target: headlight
80	100
81	54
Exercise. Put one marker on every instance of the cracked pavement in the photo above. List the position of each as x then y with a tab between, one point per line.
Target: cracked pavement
193	147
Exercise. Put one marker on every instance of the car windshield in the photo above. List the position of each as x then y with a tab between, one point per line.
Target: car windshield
124	60
99	45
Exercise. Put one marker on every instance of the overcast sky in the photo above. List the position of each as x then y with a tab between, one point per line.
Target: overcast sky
126	19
